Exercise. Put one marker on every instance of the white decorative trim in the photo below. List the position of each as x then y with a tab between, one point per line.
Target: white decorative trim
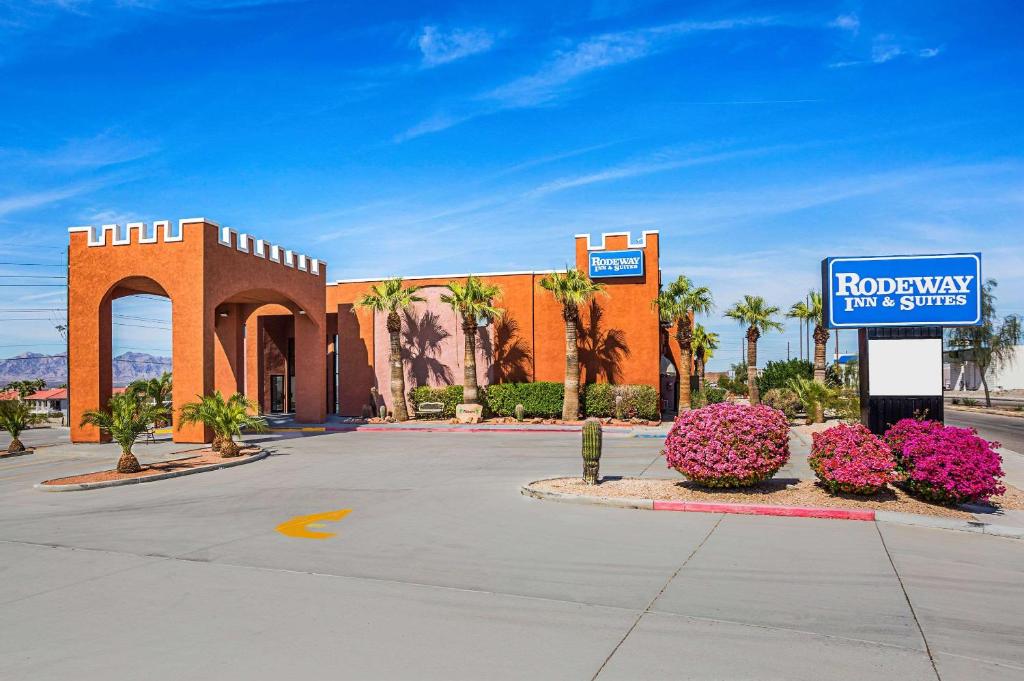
462	275
629	241
226	236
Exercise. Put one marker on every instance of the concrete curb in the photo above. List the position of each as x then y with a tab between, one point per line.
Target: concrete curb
891	517
79	486
24	452
994	411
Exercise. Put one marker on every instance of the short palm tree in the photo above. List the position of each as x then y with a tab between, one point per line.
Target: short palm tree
814	396
677	304
704	345
754	313
390	297
571	289
225	417
15	417
158	390
125	419
810	311
473	301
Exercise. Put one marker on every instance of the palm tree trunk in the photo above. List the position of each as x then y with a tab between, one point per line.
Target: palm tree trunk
820	341
15	446
571	401
128	463
984	384
684	336
752	392
469	386
229	448
401	412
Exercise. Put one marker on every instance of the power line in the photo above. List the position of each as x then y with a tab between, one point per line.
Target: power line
30	276
33	264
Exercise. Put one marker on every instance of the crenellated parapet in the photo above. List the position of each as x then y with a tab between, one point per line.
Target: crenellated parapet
600	245
166	231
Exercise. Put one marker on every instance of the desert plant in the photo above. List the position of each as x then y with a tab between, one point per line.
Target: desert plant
227	418
158	390
704	345
678	304
992	344
473	301
815	398
571	289
969	402
591	451
16	417
944	464
810	311
754	313
783	399
850	458
125	419
389	297
520	412
383	412
728	445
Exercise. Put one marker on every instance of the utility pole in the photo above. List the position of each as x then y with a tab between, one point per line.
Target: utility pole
807	330
787	351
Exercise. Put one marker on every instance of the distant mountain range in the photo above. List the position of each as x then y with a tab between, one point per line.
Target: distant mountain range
128	367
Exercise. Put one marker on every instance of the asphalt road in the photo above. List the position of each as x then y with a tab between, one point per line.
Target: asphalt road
442	570
1007	430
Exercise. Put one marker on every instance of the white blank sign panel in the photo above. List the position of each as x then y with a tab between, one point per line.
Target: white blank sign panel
908	366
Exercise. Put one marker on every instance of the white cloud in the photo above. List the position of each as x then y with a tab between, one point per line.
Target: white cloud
929	52
440	47
846	22
886	47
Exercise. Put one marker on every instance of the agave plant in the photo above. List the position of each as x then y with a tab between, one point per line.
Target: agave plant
15	417
125	419
227	418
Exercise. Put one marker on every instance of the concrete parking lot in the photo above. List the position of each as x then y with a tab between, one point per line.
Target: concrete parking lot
442	570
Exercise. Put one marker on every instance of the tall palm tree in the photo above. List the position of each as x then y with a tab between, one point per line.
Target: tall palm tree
571	289
472	300
678	303
389	297
754	313
810	311
15	417
125	419
225	417
158	390
704	345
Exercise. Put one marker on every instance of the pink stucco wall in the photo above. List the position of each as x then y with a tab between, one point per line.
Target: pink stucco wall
432	345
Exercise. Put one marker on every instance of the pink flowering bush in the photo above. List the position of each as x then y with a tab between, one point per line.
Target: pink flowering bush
728	445
944	464
849	458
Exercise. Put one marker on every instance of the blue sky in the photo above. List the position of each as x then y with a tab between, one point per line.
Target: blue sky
412	138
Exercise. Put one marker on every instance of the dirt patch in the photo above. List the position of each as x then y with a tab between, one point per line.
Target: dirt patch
778	492
202	457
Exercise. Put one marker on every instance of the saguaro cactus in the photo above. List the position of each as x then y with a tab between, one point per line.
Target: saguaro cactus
591	450
383	412
618	407
520	412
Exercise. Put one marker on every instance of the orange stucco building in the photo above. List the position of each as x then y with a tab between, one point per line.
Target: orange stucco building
253	317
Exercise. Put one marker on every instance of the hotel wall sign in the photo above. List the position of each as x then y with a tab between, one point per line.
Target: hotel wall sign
902	290
605	264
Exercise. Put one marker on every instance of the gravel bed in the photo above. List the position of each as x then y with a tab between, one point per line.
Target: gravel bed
203	457
777	492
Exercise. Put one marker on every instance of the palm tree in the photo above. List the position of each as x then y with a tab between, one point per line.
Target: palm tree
571	289
472	301
15	417
125	419
678	304
389	297
226	418
704	345
758	317
158	390
810	311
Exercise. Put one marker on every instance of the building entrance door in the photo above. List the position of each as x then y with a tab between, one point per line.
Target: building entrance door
276	394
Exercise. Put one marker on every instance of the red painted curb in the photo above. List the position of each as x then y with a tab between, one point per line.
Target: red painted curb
761	509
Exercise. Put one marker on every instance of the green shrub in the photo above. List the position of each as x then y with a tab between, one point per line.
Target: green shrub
714	395
783	399
737	385
638	401
698	399
541	399
450	396
780	373
969	402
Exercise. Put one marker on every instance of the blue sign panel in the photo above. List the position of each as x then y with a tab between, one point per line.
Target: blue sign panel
902	290
616	264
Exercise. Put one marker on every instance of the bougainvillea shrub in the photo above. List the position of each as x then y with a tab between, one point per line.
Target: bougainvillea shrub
947	465
903	430
728	445
850	458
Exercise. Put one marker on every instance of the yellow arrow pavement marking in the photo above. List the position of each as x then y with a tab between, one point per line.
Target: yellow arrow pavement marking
299	525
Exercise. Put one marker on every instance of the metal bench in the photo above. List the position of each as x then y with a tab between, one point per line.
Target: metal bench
430	409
